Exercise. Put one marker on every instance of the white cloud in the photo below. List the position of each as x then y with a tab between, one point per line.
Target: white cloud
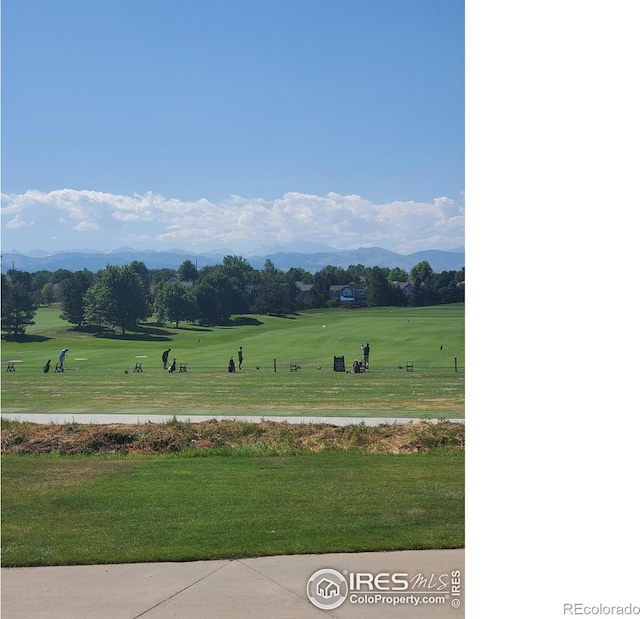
86	225
152	220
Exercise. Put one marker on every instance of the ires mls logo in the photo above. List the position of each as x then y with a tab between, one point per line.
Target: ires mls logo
327	589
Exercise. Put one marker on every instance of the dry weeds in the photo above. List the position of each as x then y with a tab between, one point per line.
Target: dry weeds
173	437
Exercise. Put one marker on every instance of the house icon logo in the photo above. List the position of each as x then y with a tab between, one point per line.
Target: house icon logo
327	589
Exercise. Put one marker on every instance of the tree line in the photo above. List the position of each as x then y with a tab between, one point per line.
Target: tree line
120	297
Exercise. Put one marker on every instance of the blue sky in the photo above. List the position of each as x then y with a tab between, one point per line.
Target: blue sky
232	124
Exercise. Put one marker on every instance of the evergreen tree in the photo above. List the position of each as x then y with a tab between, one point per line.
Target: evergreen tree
277	295
72	293
18	307
380	291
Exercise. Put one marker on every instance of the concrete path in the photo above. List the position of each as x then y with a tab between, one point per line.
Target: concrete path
264	588
59	418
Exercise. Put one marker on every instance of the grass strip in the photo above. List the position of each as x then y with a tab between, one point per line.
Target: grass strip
97	509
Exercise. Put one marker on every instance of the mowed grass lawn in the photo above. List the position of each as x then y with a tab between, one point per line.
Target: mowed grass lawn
99	376
84	510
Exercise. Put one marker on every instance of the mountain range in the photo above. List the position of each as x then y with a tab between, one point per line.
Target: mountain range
452	260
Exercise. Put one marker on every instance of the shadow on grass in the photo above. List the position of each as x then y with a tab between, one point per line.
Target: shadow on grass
142	334
136	336
91	329
182	326
240	321
245	321
23	338
194	328
155	331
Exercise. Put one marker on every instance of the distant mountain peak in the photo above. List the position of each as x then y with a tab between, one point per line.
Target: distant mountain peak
440	260
293	246
124	250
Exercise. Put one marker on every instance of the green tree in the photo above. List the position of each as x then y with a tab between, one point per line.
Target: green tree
233	279
145	276
297	274
118	298
237	267
22	278
176	303
423	279
234	297
162	275
277	295
447	287
47	294
423	271
59	275
94	310
72	294
18	306
380	291
322	280
188	272
354	273
206	293
398	275
40	279
217	296
141	269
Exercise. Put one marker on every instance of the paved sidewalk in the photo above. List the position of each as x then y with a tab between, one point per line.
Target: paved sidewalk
264	588
97	419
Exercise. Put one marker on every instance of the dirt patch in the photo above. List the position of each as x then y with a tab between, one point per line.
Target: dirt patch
152	438
60	472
